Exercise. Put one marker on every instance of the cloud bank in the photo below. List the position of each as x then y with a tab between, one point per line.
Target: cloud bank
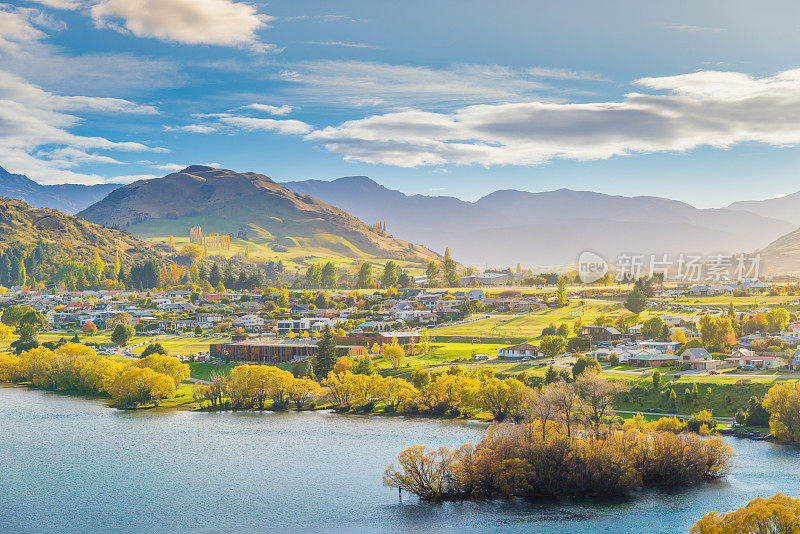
711	108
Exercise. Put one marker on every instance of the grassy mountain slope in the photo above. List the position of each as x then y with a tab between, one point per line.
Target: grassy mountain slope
67	198
72	237
782	256
248	205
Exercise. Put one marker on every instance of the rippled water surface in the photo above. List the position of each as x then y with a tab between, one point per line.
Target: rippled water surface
75	465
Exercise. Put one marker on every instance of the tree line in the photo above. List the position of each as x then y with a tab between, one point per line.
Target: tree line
73	367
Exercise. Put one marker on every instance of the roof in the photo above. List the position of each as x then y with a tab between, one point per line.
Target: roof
521	346
697	353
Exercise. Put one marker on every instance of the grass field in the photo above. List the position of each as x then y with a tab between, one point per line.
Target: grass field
530	325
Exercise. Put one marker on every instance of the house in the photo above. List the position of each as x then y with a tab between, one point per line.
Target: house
745	341
762	362
704	290
602	333
249	321
794	361
522	350
402	337
699	359
649	358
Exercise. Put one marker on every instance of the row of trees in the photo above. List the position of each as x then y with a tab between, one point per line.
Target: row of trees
74	367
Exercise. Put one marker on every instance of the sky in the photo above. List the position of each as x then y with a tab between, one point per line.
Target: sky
697	101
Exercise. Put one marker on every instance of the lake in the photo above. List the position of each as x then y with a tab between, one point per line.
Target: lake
75	465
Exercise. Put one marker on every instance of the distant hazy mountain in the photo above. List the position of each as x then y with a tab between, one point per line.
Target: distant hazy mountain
246	204
67	198
786	208
547	228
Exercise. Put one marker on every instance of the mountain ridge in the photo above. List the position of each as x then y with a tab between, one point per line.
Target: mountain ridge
248	204
67	198
549	227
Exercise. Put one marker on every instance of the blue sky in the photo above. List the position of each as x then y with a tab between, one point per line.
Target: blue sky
698	101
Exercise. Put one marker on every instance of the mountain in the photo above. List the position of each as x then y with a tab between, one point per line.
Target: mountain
547	228
71	237
247	205
785	207
67	198
782	256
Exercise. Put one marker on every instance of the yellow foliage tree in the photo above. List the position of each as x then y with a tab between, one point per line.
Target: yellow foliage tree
779	513
394	353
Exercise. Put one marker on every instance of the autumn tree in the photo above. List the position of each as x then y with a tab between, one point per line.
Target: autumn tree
777	319
394	353
778	514
717	332
599	394
89	328
164	364
783	404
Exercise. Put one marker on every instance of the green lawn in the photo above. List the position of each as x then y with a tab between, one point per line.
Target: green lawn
530	325
723	399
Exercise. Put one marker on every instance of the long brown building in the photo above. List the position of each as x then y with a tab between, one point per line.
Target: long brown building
271	352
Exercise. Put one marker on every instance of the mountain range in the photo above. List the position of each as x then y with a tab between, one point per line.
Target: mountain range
551	227
250	206
68	198
505	227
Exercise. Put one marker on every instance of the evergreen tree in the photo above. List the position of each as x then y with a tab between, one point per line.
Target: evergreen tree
329	275
326	354
389	276
21	276
215	276
365	279
636	301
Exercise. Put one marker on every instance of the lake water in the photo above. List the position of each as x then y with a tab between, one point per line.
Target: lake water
75	465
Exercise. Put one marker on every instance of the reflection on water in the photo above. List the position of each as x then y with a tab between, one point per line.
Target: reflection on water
74	465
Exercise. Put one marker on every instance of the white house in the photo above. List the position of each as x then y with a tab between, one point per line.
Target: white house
518	351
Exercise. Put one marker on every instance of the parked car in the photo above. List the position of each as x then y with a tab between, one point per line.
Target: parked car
712	372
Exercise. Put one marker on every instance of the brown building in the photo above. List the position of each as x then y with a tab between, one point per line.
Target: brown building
272	352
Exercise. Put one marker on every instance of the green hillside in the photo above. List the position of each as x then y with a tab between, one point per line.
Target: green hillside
22	226
259	214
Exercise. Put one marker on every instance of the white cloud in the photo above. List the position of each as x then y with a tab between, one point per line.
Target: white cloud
61	4
716	109
273	125
272	110
35	136
214	22
565	74
361	83
191	128
342	44
20	26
